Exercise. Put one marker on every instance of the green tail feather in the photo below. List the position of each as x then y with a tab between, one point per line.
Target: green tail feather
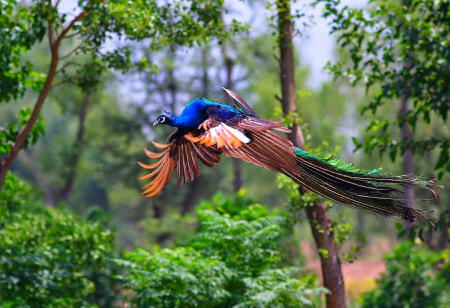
371	191
338	163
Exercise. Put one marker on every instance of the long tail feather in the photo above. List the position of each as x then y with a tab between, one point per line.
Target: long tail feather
369	191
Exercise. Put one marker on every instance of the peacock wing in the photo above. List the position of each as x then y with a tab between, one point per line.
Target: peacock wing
241	104
180	154
249	120
264	148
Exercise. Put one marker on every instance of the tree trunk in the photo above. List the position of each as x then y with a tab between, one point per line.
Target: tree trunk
407	136
443	238
205	71
40	177
332	277
188	202
159	211
360	232
77	149
408	159
229	64
441	241
317	215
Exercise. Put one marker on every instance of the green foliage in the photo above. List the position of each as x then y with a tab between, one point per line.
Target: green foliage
176	277
233	260
157	227
21	28
48	257
189	22
246	241
296	199
76	47
401	50
278	288
9	134
415	277
98	22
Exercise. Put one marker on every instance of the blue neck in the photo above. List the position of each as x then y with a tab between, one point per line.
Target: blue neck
196	112
192	116
182	122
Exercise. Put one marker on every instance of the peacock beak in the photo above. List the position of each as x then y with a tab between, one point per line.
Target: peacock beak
155	123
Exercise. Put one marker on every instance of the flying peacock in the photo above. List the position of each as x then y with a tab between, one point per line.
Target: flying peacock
206	129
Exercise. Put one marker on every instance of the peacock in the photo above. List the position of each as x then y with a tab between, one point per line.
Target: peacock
207	129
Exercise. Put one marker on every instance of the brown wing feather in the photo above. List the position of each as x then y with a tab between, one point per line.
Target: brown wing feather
179	153
240	101
253	121
258	124
209	156
267	149
263	146
163	168
187	162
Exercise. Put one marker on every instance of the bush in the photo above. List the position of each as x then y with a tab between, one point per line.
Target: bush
47	256
233	260
414	277
174	277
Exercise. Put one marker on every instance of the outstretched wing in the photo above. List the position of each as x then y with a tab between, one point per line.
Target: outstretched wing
246	137
252	121
218	135
179	153
241	104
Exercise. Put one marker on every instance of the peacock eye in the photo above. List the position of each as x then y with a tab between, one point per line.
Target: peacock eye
163	120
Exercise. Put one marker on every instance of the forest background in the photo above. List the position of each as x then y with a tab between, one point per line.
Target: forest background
81	84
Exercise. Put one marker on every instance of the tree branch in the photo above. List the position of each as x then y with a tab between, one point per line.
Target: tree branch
51	37
69	26
6	163
68	36
59	84
66	65
75	49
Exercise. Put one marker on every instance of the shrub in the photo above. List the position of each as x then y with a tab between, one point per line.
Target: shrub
47	256
233	260
174	277
414	277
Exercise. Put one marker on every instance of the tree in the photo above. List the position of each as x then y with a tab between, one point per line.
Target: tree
321	224
415	34
95	23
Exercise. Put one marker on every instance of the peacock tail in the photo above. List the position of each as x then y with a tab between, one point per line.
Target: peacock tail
371	191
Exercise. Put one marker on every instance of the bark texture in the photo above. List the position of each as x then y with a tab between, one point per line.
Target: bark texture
317	215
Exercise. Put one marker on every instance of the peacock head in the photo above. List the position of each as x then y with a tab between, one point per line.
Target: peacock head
164	118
